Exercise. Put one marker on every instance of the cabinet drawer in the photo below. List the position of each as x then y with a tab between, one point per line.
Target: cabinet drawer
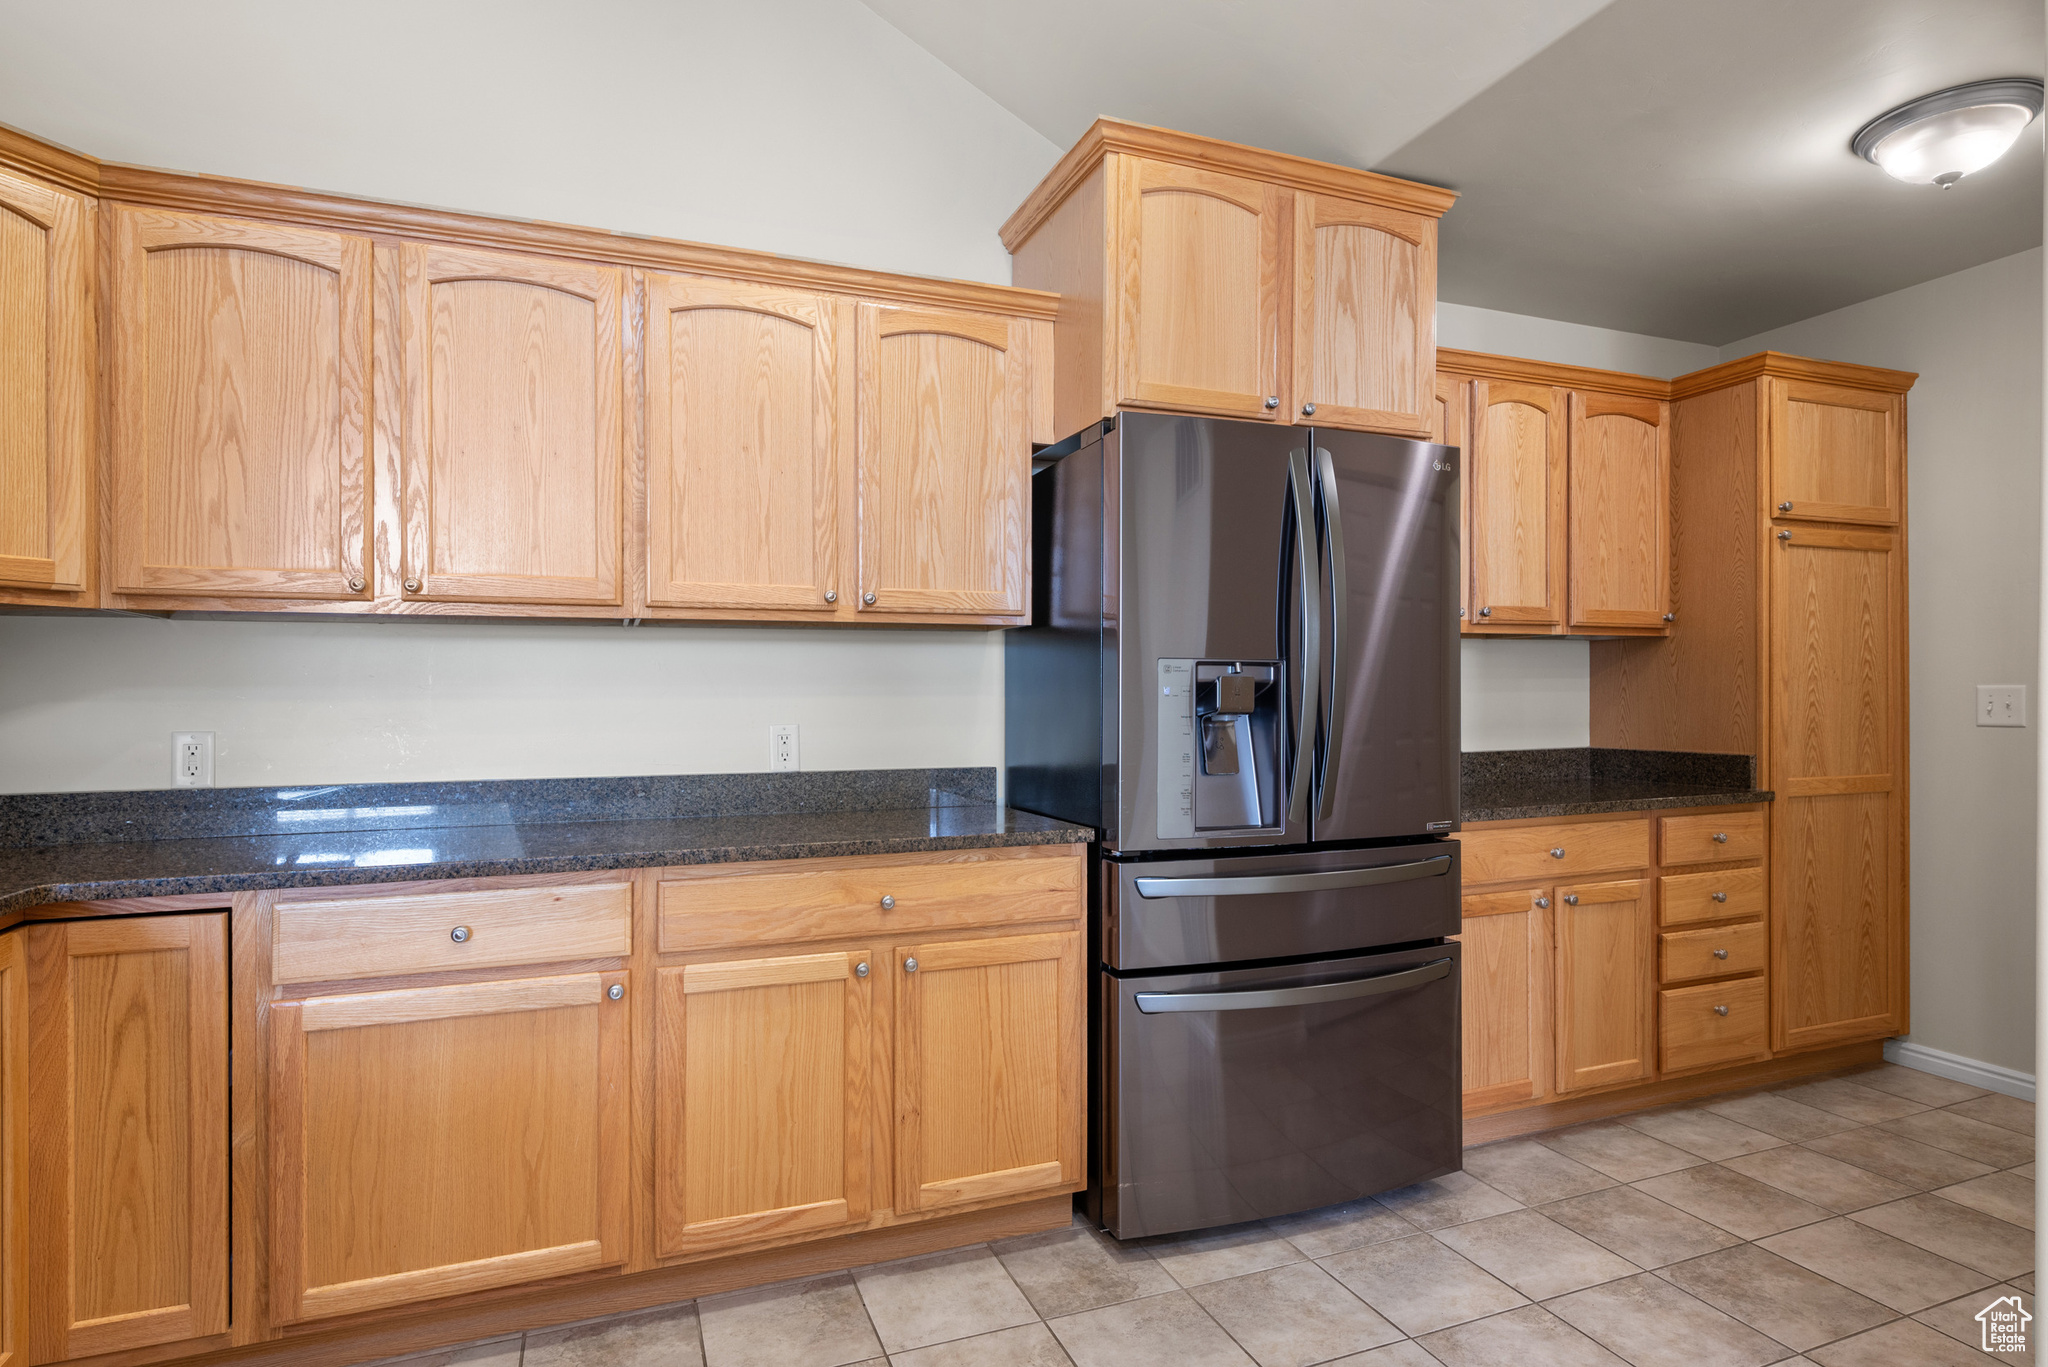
1712	953
336	938
1493	856
1695	1033
1710	839
816	899
1685	897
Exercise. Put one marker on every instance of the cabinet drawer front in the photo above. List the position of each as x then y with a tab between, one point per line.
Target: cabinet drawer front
1696	1034
1719	896
1493	856
1710	839
1713	953
811	899
334	939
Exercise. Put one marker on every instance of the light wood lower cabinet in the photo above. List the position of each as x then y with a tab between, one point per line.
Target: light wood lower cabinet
1506	996
762	1096
1605	969
431	1141
127	1138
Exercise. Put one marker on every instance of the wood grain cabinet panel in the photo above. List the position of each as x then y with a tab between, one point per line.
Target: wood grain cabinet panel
513	448
46	386
1364	315
1718	838
742	446
1715	952
1516	473
1604	974
127	1149
334	939
1836	452
1714	1024
1199	290
1570	849
427	1142
1505	991
1619	518
13	1137
1715	896
944	462
238	396
988	1069
763	1104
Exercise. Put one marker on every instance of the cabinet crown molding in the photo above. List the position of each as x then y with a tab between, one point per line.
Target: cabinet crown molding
1212	154
1791	367
1479	365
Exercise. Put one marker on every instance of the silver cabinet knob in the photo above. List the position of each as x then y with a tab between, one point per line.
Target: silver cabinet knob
831	595
1272	401
1720	896
412	586
355	584
1308	410
1557	853
888	902
460	935
910	965
1720	837
1543	902
860	970
1784	507
1486	612
868	598
1571	899
1784	536
1670	616
615	991
1720	953
1720	1010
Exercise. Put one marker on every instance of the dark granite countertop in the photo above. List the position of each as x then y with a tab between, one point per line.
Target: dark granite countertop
1508	785
391	833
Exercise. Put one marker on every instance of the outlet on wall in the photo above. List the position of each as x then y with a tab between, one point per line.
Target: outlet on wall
191	759
782	751
2001	704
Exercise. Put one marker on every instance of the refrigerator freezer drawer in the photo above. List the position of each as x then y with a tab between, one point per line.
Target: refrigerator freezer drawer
1260	1092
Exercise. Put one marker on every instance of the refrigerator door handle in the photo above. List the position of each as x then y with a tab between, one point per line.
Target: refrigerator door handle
1299	495
1260	998
1246	884
1333	532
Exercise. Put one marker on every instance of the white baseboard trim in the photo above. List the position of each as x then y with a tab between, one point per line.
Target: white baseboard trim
1956	1068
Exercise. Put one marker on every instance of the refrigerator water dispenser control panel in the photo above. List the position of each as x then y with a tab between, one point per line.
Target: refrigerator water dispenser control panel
1219	746
1176	749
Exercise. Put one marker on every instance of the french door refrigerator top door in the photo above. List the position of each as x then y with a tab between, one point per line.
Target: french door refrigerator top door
1280	608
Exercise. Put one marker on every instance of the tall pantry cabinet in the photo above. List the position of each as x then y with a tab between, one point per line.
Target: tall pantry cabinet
1788	480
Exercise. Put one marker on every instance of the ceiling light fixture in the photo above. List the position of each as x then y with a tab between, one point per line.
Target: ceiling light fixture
1940	138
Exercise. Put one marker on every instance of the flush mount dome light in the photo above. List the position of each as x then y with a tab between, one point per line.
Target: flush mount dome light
1940	138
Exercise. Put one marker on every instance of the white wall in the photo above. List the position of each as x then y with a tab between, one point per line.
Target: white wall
1973	493
1533	694
807	127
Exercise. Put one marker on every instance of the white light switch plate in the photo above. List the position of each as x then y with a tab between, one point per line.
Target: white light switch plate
2001	704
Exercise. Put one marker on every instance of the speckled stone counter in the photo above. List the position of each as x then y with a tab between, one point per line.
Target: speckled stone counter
74	847
1508	785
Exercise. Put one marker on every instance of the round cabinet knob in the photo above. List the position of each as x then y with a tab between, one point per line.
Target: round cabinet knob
910	965
1720	896
412	586
888	902
1557	853
831	595
1543	902
1461	614
868	598
355	585
1784	536
1272	401
1784	507
1571	899
1308	410
1720	953
1720	1010
860	970
1670	616
460	935
1486	612
615	991
1720	837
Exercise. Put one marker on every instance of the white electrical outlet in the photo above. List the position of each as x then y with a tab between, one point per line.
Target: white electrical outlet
2001	704
191	759
782	751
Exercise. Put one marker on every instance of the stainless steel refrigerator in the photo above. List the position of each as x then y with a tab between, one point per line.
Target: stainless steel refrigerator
1242	670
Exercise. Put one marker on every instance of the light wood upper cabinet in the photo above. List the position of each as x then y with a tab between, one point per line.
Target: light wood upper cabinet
988	1069
513	458
1619	529
127	1142
1200	263
1515	471
763	1101
743	429
1364	315
1605	973
1836	452
238	372
944	461
46	374
432	1141
13	1136
1505	991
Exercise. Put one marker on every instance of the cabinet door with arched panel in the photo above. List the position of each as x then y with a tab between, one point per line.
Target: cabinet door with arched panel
1364	316
1620	512
1515	474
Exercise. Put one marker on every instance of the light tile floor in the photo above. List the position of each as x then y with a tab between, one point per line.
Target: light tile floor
1861	1220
